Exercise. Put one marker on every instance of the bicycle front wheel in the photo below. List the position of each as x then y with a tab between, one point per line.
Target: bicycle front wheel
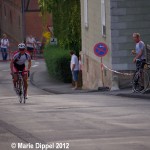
22	92
19	91
140	81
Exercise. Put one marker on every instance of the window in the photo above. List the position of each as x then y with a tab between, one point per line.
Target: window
86	13
103	17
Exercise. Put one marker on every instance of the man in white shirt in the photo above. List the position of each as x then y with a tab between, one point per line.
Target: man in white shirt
139	48
74	66
30	43
139	58
4	47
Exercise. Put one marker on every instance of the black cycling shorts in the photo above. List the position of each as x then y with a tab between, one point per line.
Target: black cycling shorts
19	67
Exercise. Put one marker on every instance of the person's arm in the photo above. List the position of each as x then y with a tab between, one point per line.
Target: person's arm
11	65
73	63
7	42
133	52
29	64
34	43
73	66
2	42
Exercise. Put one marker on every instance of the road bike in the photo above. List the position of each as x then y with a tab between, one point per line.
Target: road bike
140	81
20	88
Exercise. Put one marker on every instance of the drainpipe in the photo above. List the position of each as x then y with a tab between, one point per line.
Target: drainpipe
23	21
0	17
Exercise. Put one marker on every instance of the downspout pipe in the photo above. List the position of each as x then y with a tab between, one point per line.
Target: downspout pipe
23	21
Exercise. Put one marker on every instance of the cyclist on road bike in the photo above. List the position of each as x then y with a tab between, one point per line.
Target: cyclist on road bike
18	64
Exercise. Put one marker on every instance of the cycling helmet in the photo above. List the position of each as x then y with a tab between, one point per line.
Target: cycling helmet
21	46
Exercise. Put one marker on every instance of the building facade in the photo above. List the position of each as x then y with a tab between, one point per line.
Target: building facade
111	22
20	18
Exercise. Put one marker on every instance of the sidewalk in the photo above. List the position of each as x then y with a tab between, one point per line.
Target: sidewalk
41	79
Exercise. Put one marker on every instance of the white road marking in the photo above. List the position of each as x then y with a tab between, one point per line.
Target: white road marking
11	97
34	66
37	63
6	70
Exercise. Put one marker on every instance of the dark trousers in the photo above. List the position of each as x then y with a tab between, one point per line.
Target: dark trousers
4	53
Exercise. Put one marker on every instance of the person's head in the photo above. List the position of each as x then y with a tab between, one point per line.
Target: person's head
136	37
71	52
21	48
30	36
4	36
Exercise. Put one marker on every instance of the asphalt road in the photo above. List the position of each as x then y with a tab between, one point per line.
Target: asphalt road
84	121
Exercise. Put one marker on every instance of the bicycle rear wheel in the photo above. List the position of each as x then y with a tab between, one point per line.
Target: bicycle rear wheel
140	81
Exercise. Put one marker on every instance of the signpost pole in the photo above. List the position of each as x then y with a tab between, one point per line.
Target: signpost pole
102	71
100	50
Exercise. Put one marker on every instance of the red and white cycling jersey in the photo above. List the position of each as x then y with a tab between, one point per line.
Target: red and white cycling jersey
20	59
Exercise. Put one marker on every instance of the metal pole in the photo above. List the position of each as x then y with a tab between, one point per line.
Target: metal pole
0	17
23	21
102	71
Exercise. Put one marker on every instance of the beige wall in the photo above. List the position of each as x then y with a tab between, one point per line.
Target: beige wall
92	77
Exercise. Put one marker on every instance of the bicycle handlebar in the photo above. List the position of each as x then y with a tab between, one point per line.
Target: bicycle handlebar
20	72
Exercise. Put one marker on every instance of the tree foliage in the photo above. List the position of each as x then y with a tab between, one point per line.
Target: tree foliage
66	21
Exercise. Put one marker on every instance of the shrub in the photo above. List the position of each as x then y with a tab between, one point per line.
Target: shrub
58	63
66	21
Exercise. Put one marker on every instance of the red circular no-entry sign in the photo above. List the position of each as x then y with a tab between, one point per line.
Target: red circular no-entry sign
100	49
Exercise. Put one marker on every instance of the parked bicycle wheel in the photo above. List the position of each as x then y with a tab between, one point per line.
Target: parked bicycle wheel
140	81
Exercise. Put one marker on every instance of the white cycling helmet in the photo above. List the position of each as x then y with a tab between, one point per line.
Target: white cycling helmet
21	46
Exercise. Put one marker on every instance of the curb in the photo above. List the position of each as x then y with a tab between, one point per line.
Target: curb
56	91
134	96
34	84
100	91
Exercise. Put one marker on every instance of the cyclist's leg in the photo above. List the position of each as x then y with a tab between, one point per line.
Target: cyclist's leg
25	80
15	76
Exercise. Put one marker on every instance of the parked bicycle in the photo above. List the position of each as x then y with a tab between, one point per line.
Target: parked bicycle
20	89
140	81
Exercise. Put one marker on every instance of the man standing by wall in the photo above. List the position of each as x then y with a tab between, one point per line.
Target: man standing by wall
4	46
139	48
74	66
30	43
139	58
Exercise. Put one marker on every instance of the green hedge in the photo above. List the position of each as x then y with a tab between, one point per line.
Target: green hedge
58	63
